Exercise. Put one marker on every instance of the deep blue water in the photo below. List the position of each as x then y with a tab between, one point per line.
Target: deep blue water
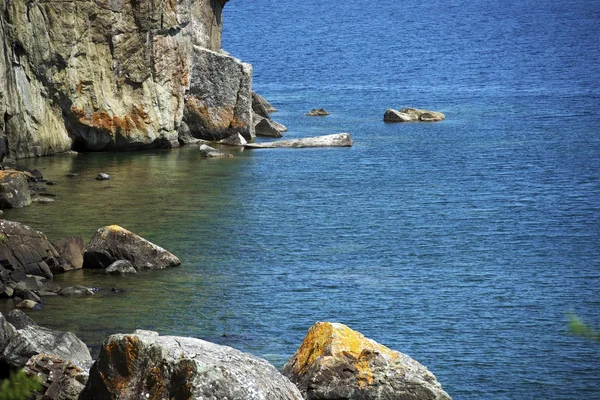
463	243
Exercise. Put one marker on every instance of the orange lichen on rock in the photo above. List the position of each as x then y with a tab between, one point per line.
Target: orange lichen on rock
124	356
333	340
135	120
211	117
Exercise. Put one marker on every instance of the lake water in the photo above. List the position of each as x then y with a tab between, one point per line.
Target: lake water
463	243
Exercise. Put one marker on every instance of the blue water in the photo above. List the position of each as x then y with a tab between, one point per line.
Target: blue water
463	243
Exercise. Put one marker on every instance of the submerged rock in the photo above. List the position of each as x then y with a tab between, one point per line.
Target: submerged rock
317	112
145	365
335	362
211	152
412	115
14	190
335	140
114	243
76	290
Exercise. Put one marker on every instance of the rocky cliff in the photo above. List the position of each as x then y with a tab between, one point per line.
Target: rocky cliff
114	74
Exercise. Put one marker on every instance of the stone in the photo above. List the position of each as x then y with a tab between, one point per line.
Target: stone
266	128
19	319
210	152
25	251
99	75
167	367
27	304
234	140
30	295
34	282
71	251
120	267
335	140
61	379
279	126
14	190
76	290
392	115
317	112
412	115
219	102
336	362
42	200
260	103
103	177
6	331
32	339
113	243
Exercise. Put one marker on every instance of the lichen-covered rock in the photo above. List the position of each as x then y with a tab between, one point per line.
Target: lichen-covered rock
335	362
412	115
219	102
113	243
100	75
33	339
25	251
14	190
61	379
71	251
145	365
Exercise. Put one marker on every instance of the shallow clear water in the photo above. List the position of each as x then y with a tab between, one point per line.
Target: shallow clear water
462	243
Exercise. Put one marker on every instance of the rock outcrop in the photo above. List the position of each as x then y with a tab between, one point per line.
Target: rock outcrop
61	380
95	75
335	140
113	243
412	115
335	362
146	365
71	251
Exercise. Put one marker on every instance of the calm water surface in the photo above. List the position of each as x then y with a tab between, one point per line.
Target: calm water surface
462	243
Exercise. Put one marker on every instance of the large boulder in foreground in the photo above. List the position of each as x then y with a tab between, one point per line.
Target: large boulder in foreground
61	380
24	251
145	365
335	362
412	115
113	243
32	339
14	190
335	140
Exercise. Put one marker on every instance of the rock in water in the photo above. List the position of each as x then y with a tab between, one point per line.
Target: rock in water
211	152
121	267
412	115
317	112
103	177
219	102
14	190
146	365
77	290
71	251
113	243
261	106
335	362
335	140
266	128
234	140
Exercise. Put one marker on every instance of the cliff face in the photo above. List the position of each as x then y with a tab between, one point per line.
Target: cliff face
116	74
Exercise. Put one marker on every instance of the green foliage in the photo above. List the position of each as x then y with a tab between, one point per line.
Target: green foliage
19	386
579	328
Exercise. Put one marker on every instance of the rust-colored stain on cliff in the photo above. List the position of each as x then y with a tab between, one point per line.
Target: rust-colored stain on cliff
135	120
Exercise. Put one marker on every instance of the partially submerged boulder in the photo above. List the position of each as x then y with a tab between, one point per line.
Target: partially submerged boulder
267	128
335	140
210	152
412	115
261	106
234	140
71	251
120	267
113	243
77	290
335	362
14	190
145	365
318	112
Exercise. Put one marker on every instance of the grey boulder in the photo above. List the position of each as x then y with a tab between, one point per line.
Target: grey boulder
267	128
335	140
146	365
412	115
71	251
14	190
210	152
120	267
